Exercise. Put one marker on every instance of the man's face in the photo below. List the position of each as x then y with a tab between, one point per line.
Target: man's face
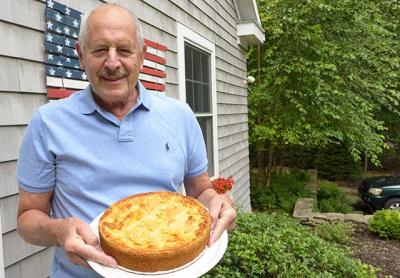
111	55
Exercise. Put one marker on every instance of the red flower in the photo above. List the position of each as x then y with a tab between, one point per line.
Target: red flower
222	185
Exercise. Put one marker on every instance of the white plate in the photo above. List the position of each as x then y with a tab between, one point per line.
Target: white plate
199	266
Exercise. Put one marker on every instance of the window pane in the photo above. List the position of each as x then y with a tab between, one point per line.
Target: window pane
198	94
188	62
206	98
189	94
198	98
206	128
205	68
196	65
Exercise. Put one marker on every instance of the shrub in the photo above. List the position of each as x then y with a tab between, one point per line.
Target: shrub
275	245
332	199
335	162
336	232
386	223
281	194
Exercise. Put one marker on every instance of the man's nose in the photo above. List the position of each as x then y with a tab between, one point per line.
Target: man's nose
112	62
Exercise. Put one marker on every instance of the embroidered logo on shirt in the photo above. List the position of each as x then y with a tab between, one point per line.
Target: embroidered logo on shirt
167	147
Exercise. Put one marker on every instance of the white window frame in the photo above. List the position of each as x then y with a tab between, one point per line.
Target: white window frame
184	34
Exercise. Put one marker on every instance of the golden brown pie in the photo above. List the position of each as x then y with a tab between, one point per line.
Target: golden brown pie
155	231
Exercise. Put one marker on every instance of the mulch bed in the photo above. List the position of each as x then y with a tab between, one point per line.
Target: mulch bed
370	249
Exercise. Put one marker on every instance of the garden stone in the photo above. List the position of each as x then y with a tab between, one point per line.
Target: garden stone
304	204
354	217
312	183
332	216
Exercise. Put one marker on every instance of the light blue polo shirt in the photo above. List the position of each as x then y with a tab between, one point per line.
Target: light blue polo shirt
90	158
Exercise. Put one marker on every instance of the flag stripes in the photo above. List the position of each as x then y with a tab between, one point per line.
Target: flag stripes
63	73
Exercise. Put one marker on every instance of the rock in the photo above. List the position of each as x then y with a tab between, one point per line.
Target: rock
332	216
304	204
354	217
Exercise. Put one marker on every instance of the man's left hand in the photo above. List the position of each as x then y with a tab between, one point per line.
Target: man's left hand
223	216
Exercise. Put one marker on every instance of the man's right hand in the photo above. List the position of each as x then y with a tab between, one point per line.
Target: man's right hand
81	244
35	226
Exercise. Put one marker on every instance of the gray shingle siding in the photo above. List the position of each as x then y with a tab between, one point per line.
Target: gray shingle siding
23	89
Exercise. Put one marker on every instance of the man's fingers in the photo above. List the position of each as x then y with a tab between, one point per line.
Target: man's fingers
214	212
87	234
224	221
94	254
77	248
75	259
216	234
82	244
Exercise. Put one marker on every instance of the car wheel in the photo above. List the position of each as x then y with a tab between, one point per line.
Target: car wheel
393	203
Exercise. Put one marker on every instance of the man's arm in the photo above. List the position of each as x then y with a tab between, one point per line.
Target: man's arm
35	226
221	207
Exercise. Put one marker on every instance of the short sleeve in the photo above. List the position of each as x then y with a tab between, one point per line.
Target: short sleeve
36	164
197	154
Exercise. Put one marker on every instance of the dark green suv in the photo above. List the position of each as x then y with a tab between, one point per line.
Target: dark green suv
381	192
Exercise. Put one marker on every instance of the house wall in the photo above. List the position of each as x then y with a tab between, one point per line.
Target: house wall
23	90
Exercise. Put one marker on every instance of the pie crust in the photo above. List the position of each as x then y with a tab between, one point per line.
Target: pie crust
155	231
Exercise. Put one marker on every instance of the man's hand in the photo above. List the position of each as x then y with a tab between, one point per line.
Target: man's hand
36	227
223	216
221	207
81	244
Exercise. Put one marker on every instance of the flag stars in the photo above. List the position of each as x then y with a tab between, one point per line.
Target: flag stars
66	30
76	23
60	48
49	37
58	17
50	4
52	71
61	34
49	25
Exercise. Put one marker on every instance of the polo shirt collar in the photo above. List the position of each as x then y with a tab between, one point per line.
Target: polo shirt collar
88	104
144	95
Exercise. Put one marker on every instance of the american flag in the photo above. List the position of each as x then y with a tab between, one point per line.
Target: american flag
63	74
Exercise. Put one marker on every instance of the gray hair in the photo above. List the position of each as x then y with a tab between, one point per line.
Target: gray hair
85	16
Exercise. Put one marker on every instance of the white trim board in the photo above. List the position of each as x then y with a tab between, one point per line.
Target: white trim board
185	34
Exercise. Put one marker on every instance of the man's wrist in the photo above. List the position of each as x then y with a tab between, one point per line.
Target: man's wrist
206	196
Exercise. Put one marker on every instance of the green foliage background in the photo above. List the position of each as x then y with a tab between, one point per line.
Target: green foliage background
332	199
275	245
330	74
283	193
386	223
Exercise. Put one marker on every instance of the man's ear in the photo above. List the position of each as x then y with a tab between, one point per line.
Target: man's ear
79	50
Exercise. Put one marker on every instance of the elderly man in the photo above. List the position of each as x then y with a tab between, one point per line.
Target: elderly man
106	142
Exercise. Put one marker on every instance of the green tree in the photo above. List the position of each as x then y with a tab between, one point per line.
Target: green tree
327	67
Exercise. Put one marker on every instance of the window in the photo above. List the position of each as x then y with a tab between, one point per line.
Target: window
196	57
